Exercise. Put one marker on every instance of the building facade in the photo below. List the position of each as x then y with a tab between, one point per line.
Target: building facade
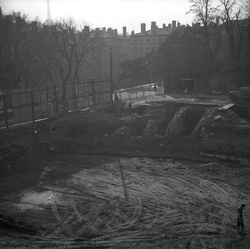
113	48
149	40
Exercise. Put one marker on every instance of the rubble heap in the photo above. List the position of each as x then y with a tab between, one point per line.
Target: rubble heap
206	121
122	131
177	125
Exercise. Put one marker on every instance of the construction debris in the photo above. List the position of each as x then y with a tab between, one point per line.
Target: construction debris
122	131
205	122
177	124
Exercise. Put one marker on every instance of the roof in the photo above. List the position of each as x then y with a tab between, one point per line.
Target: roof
158	31
106	34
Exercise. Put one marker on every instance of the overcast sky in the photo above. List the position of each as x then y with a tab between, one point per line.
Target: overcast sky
106	13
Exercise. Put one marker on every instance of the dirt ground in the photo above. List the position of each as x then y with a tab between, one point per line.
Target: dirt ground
74	182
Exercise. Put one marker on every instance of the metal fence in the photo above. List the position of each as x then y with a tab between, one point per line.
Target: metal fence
24	105
140	91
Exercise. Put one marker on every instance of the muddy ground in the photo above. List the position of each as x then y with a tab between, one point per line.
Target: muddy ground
169	173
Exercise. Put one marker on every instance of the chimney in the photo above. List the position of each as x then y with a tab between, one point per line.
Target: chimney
169	25
163	25
173	24
143	27
115	32
153	28
110	31
124	31
104	29
133	32
178	24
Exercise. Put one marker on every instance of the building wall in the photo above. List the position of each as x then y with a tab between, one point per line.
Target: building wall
148	40
114	45
141	45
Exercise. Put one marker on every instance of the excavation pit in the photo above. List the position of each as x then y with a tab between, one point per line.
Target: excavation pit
82	185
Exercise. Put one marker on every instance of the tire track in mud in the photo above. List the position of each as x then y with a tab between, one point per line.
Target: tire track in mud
164	202
171	218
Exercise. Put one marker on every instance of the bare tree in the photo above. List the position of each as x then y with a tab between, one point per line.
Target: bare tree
245	6
235	27
204	13
64	51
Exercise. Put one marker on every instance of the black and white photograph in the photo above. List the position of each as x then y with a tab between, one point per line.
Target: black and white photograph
125	124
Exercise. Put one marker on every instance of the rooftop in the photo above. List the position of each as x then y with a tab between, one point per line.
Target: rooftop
157	31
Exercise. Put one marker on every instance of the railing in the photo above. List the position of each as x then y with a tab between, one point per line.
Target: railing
24	105
140	91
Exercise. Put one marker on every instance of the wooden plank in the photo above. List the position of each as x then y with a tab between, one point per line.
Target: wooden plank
226	107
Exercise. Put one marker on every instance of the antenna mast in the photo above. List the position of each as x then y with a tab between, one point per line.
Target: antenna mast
48	12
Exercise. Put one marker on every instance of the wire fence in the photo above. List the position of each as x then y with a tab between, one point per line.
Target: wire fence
24	105
140	91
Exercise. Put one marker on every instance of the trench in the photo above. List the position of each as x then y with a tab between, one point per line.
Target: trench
174	119
185	118
88	208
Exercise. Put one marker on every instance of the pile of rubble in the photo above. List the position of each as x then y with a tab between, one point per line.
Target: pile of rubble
177	124
206	121
122	131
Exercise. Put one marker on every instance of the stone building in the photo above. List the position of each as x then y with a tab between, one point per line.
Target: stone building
149	40
113	48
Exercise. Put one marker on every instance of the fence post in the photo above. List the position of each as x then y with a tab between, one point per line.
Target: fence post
32	106
75	95
56	100
5	111
93	90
